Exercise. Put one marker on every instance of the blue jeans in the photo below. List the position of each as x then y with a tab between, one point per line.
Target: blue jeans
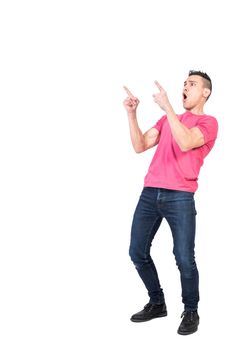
178	208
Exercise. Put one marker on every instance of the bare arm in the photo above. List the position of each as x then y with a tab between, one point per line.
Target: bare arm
185	138
141	142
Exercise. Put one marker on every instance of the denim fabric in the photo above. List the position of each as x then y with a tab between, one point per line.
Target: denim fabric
178	208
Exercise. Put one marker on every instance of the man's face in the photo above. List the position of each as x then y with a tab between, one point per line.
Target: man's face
194	92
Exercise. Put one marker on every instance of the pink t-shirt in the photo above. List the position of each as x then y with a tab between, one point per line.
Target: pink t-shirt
170	167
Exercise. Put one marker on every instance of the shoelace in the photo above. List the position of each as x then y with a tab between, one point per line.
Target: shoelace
188	315
147	306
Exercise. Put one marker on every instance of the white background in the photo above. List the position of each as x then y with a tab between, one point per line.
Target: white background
69	179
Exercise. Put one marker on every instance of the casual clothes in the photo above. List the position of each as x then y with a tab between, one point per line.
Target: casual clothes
168	193
170	167
178	208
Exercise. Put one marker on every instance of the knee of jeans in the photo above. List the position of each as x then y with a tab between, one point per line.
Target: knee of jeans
133	254
137	256
185	261
186	266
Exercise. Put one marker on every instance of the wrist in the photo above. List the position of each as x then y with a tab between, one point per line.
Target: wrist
168	109
132	114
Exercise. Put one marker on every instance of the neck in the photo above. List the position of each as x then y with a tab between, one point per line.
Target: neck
196	110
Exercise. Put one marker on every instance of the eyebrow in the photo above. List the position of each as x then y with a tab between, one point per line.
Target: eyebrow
190	81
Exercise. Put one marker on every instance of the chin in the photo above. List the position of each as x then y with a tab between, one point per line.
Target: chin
187	106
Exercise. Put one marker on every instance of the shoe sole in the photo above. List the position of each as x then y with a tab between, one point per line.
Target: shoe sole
186	333
149	319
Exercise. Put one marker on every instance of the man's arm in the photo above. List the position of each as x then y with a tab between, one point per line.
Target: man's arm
141	142
186	138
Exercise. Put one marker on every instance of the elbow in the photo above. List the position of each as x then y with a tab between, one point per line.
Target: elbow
138	150
184	147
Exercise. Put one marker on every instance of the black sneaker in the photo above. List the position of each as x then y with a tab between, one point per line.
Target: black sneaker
149	312
189	323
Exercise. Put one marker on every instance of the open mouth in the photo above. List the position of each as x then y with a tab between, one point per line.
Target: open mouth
184	97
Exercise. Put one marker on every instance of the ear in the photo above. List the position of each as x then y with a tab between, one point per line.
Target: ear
206	92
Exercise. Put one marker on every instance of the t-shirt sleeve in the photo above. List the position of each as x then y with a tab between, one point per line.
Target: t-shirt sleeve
209	128
159	123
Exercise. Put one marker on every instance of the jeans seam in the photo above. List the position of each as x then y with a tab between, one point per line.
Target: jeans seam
148	236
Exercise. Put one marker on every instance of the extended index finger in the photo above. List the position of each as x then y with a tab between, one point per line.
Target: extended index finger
128	92
158	85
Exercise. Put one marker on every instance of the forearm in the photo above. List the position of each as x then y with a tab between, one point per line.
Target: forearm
136	134
180	132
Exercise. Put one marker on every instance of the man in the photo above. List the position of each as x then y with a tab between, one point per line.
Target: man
169	186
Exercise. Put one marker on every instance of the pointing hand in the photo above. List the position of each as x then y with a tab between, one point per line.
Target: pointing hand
131	102
161	98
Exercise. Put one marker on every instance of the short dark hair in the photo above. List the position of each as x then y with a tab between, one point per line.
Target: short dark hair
205	76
